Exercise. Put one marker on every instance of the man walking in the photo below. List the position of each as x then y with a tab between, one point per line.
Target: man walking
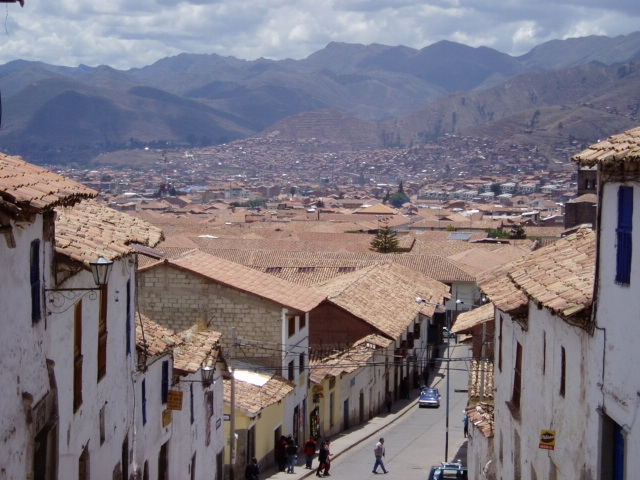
310	451
379	453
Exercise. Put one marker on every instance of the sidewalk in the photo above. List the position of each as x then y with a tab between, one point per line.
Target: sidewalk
345	441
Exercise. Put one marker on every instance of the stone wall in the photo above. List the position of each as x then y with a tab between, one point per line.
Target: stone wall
179	299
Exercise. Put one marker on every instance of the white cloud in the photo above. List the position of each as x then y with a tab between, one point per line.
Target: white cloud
126	34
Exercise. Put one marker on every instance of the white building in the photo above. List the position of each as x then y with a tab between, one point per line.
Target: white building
543	333
179	412
613	390
67	352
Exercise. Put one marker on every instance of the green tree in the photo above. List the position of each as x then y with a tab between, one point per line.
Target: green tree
385	241
398	199
517	232
400	187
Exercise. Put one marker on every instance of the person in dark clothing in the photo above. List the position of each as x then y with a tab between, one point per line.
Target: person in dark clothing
252	470
281	453
322	459
327	462
292	454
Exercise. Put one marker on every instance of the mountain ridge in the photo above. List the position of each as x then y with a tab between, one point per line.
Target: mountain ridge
406	96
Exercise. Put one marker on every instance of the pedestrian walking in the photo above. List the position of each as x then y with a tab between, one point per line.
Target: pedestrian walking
322	459
309	452
465	422
252	470
292	454
327	462
379	452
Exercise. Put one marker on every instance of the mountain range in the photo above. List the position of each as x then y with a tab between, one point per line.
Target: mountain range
356	96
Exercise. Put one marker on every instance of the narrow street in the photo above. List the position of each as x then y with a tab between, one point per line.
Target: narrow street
417	440
414	439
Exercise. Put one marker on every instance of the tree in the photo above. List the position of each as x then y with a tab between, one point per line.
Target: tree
400	187
385	241
398	199
517	232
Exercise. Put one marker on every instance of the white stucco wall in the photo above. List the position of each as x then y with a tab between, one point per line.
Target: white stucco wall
23	366
114	391
541	405
615	386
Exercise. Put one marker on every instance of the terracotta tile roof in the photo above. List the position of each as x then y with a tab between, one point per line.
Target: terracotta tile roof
477	316
31	188
559	277
475	379
198	347
346	361
378	209
384	296
621	148
252	398
156	338
247	279
89	230
481	417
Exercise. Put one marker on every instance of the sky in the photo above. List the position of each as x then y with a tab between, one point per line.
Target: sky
133	33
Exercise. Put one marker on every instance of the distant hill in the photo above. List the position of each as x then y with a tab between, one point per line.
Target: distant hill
363	96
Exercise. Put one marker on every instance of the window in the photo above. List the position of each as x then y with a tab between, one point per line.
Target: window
623	235
301	365
128	319
500	344
191	403
544	352
292	325
306	269
208	405
346	269
292	371
102	425
517	378
563	370
102	335
165	381
303	321
34	269
273	270
144	401
77	356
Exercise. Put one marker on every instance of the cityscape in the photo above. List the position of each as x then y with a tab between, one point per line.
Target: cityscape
311	299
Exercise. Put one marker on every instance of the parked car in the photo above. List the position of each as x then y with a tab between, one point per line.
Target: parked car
448	471
429	397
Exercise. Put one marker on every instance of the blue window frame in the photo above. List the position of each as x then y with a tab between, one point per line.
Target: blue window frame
165	381
623	235
34	273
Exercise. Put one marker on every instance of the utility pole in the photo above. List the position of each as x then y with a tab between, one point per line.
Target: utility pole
482	360
232	418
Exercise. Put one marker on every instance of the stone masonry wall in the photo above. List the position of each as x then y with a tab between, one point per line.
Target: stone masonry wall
179	299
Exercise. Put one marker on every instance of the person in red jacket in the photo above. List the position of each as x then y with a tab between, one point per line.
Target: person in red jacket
310	451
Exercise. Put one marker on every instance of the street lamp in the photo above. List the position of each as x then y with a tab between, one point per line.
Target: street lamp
57	298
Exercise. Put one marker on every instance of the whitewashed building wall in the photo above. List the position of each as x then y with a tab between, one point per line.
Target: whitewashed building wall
542	406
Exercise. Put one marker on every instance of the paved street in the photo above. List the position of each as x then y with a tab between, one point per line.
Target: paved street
414	437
